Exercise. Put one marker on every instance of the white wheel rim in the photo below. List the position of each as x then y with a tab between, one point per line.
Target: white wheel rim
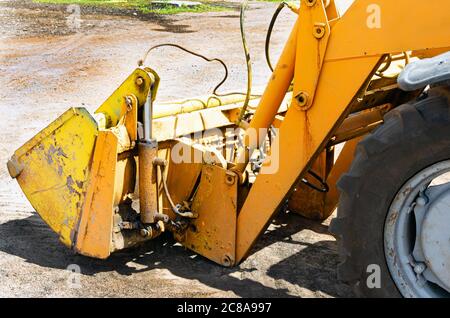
417	256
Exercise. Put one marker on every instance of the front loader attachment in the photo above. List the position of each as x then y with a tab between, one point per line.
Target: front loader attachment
80	167
53	170
67	171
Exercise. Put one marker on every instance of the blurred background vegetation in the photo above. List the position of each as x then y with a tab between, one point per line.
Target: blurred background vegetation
148	6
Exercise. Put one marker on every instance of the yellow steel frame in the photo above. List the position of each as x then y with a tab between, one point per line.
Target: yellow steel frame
329	69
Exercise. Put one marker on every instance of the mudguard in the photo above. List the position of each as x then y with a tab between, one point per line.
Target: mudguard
425	72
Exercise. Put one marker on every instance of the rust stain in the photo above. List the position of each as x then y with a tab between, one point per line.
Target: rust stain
319	63
393	217
308	140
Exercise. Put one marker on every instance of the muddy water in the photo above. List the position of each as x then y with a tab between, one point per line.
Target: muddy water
46	67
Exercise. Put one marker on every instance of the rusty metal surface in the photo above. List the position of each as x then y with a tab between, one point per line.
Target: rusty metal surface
148	197
213	233
341	166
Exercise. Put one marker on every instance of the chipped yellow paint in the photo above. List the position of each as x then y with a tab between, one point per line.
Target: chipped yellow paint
96	220
54	171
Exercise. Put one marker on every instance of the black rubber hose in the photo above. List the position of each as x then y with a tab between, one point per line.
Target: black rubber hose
247	61
269	33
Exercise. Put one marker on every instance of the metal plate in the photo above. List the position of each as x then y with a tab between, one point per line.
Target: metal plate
213	233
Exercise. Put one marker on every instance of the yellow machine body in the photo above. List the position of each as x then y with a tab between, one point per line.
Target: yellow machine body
81	172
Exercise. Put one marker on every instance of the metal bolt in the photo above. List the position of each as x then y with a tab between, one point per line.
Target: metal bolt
420	268
230	178
159	162
129	103
302	100
421	201
227	260
319	31
139	81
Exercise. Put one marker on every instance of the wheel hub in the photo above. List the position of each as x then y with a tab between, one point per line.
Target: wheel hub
417	234
435	239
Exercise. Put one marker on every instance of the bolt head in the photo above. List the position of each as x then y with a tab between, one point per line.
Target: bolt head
421	201
139	81
420	268
230	178
227	260
319	32
302	100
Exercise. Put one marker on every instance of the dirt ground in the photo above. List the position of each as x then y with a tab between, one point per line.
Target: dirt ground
46	67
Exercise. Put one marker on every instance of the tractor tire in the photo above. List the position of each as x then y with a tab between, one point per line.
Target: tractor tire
414	136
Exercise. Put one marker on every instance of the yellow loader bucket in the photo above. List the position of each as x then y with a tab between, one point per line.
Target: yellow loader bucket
53	169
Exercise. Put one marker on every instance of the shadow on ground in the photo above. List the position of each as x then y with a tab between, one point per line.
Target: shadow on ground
312	268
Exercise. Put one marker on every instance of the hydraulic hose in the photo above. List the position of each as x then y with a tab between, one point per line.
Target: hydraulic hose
244	5
269	33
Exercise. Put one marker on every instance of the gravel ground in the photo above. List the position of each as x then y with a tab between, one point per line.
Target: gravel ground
47	67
